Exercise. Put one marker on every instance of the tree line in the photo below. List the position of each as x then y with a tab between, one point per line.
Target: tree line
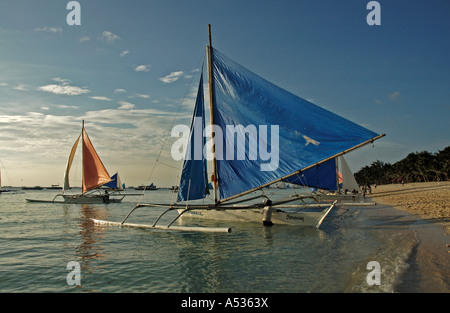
416	167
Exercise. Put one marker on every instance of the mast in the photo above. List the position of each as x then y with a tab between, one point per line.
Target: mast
214	176
337	174
82	157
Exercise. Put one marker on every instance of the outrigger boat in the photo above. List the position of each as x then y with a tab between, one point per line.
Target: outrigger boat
304	139
94	173
333	180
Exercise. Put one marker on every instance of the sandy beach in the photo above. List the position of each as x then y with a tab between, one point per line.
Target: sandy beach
426	208
430	201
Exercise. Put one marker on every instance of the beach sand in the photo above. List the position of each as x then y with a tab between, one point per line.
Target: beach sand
426	212
430	201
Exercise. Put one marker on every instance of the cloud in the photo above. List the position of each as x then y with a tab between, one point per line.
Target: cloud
62	81
394	96
63	88
142	68
142	96
139	95
38	133
124	53
119	90
100	98
64	106
109	37
21	87
124	105
55	30
172	77
82	39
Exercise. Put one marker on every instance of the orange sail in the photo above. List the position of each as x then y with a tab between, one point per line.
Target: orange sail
94	172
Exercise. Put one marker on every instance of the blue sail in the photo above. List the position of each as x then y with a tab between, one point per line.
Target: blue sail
322	176
194	181
290	133
115	183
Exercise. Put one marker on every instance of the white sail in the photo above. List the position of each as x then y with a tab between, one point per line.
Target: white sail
69	164
349	181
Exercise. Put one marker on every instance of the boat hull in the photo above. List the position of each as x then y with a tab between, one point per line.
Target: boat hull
82	199
86	199
280	217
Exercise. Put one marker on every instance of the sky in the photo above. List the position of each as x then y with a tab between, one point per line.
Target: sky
131	70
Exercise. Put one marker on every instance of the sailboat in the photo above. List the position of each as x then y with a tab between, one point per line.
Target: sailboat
245	108
331	180
115	183
94	175
3	190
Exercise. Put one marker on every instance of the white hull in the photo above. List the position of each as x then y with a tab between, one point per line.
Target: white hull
82	199
300	218
87	199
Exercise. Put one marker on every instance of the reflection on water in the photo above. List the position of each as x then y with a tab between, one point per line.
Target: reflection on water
38	240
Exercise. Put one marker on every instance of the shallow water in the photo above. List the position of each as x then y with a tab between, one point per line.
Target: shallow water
38	240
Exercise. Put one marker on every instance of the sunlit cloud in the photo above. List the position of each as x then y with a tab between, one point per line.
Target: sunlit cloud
64	106
139	95
124	105
63	88
124	53
142	68
100	98
55	30
109	37
172	77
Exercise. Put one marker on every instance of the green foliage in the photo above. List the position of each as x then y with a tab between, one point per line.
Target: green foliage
416	167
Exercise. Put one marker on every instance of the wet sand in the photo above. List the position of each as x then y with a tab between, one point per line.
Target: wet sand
426	212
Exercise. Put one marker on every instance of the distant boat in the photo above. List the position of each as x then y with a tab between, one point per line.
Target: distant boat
3	190
33	188
308	136
332	179
56	187
144	187
94	174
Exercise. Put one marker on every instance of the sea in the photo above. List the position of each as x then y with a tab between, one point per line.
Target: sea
56	248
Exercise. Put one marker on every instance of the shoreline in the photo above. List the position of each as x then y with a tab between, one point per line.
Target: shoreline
430	200
425	209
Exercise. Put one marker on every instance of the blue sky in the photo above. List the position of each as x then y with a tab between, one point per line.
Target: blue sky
131	67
